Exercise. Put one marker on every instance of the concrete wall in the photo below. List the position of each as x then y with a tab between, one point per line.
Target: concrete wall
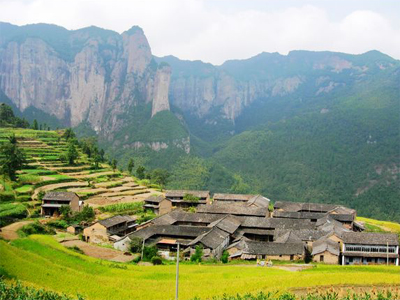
96	233
328	258
165	207
123	244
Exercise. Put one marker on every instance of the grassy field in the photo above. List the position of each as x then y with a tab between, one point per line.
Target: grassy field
382	225
40	261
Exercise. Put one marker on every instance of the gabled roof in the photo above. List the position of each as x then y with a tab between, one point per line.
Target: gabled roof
298	215
304	234
60	196
228	223
232	197
182	193
259	201
370	238
169	230
302	206
212	238
267	248
272	223
288	237
116	220
154	198
232	209
178	215
326	244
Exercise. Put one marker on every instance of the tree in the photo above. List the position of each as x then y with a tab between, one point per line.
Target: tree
140	172
72	154
160	176
35	125
114	164
12	158
68	134
136	244
225	256
131	165
198	254
65	211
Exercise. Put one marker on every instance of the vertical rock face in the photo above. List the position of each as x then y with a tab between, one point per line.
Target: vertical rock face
161	88
101	76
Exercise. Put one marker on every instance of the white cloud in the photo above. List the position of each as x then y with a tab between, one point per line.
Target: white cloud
194	29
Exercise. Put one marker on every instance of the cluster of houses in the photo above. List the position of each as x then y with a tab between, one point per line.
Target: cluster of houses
248	228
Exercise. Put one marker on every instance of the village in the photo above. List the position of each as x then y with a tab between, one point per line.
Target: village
246	227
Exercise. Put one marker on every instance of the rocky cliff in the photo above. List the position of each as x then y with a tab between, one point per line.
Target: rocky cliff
89	75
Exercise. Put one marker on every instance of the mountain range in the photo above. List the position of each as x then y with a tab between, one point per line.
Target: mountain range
307	126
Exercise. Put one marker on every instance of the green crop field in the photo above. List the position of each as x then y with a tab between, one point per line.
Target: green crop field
40	261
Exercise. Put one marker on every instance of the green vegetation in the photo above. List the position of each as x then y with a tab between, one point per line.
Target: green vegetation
11	211
36	228
8	119
133	207
197	255
41	261
20	292
12	158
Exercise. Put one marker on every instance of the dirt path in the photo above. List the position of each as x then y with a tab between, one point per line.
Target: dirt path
59	185
293	268
343	290
99	252
9	232
93	175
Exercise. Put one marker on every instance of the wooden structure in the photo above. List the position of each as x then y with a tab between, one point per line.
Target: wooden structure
114	226
52	202
157	204
186	199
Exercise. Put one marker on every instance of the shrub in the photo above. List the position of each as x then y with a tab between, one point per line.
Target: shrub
62	224
36	228
23	198
198	254
136	244
76	249
225	256
191	198
7	196
156	260
149	252
17	291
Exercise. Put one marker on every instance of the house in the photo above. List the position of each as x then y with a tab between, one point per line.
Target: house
186	199
213	242
303	207
233	209
252	250
157	204
52	202
101	231
326	250
232	198
370	248
249	200
74	229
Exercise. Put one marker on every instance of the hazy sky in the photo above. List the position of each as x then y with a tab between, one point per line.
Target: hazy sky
218	30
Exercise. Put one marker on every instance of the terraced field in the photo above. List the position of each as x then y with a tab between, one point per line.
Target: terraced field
45	171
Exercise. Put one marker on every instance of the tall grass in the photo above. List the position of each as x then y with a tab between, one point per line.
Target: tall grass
123	207
41	261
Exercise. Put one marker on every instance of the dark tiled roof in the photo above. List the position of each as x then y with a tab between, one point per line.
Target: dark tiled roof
370	238
232	197
232	209
326	244
303	234
170	230
212	238
272	223
298	215
228	223
178	215
154	198
265	248
116	220
301	206
259	201
288	237
60	196
182	193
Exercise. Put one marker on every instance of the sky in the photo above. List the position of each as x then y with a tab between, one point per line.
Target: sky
218	30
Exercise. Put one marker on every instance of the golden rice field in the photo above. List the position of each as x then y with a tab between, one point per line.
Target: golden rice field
384	225
40	261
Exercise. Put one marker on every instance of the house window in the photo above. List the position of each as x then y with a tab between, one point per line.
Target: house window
321	258
291	257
